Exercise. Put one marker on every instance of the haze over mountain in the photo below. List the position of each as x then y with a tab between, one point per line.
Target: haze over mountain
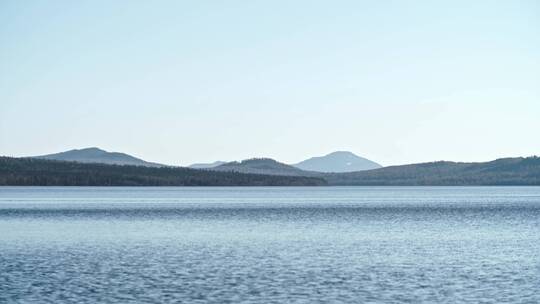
340	161
96	155
207	165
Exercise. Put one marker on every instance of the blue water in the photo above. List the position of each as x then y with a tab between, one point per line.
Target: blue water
270	245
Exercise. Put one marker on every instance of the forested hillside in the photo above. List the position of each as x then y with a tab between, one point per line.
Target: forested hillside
505	171
262	166
38	172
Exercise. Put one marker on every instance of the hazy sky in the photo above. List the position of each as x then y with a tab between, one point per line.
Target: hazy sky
178	82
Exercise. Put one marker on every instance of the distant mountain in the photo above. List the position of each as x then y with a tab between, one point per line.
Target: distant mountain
207	165
96	155
316	166
504	171
341	161
261	166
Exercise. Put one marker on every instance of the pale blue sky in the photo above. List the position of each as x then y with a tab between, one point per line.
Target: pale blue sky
179	82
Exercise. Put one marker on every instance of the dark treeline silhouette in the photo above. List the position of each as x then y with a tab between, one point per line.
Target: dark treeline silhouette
38	172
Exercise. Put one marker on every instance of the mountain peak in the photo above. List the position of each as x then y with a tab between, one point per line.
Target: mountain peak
97	155
342	153
93	149
338	161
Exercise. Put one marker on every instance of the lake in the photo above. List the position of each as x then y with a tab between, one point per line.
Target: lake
269	245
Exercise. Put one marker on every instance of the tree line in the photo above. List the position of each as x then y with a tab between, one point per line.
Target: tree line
39	172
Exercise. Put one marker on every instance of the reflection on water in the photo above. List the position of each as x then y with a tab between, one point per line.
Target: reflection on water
269	245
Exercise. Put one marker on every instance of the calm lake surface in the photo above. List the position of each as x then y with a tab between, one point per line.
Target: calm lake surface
270	245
